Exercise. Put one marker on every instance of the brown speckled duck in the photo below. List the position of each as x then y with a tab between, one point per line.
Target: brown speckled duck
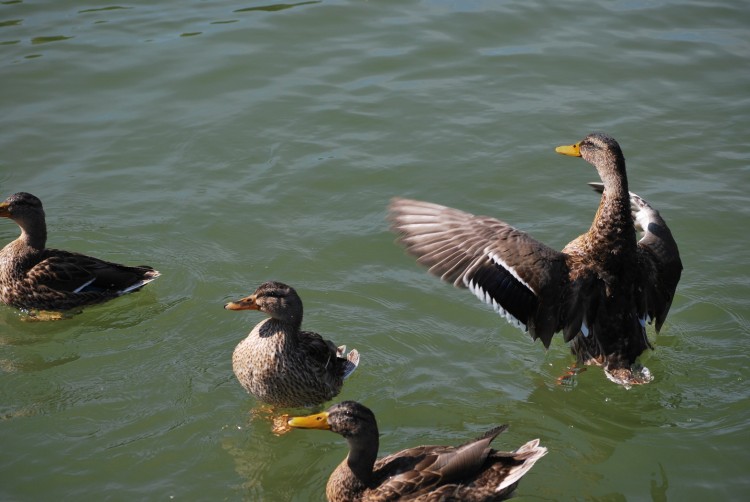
281	365
467	473
600	290
36	278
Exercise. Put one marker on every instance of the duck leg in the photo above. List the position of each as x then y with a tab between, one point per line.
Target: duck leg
279	425
45	315
569	378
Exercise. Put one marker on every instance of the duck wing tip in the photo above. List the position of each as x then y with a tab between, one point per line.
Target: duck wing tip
597	186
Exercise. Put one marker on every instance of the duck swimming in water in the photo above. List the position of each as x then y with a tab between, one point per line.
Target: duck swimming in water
282	365
36	278
471	472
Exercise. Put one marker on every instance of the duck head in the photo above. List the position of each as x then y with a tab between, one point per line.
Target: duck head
601	151
27	211
347	418
276	299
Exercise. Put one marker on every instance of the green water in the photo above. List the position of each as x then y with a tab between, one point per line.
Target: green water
227	143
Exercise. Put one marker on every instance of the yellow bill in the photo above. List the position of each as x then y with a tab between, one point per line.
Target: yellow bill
317	421
572	150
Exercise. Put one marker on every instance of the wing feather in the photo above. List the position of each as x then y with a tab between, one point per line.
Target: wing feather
503	266
70	272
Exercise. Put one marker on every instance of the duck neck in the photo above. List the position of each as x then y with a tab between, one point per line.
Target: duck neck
287	321
361	459
34	233
291	315
613	223
281	333
23	253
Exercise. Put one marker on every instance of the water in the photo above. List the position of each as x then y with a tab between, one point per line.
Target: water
227	143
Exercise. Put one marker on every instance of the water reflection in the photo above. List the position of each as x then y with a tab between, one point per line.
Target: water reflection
34	363
46	40
276	7
660	486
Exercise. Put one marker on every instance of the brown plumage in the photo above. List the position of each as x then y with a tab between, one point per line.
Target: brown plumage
34	277
470	472
281	365
599	291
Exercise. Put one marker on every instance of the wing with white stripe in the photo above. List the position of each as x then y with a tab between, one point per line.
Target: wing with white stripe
514	273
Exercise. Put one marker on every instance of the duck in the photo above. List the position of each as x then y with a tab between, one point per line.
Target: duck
36	279
600	291
281	365
470	472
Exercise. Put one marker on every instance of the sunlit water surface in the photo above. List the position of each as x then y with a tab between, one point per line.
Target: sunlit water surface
227	143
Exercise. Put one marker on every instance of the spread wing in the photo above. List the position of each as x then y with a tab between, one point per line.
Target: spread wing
658	257
519	276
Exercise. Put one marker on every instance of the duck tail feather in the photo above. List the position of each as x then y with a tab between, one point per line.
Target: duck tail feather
528	454
149	276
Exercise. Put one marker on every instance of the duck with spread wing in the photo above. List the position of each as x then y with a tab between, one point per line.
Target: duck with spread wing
599	291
